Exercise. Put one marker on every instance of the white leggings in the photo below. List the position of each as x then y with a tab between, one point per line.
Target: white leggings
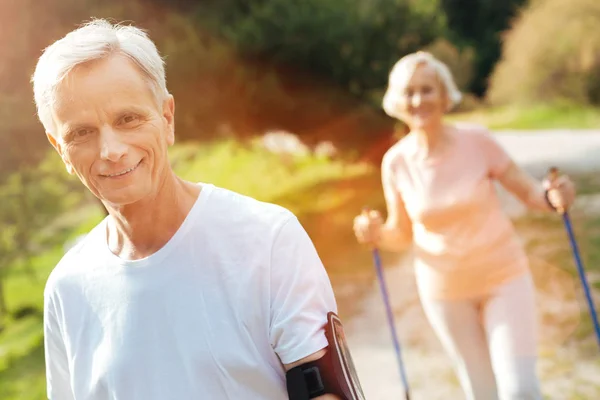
491	341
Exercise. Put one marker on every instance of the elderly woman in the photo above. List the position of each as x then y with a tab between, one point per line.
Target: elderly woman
472	272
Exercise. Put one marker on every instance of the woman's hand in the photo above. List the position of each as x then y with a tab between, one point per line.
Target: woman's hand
560	191
368	226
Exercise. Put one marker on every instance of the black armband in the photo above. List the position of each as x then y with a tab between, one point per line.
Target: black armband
334	373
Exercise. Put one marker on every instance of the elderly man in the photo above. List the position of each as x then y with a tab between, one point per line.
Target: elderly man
185	290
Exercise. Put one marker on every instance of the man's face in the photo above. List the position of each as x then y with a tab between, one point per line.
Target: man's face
111	132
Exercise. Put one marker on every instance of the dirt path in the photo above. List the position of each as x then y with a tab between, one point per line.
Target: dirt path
567	372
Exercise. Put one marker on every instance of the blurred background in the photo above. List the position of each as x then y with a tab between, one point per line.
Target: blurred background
280	100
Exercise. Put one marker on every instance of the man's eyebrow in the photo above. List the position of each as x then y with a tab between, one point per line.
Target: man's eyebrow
130	110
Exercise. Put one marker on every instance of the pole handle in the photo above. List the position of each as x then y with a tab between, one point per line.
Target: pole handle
551	176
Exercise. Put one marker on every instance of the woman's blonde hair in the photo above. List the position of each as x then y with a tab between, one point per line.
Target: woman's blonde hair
405	68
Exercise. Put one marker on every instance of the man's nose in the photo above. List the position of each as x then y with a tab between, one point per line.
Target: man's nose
112	147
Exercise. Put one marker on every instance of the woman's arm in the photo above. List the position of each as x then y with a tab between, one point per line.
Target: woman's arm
533	193
561	191
396	232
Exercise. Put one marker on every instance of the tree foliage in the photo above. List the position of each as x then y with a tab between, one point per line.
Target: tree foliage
30	201
552	53
478	24
354	43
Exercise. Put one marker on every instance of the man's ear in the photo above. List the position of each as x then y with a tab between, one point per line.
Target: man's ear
169	116
57	146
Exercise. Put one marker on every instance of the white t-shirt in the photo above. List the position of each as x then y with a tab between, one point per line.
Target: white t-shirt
237	291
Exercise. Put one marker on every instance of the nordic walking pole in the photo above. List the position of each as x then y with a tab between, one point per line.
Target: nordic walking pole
390	315
552	175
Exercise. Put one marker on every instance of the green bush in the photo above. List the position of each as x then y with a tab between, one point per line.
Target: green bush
552	53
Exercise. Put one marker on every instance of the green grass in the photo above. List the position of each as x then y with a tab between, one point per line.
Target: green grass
19	339
25	379
541	116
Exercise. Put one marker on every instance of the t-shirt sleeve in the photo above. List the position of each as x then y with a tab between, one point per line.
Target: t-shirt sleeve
497	158
58	378
301	295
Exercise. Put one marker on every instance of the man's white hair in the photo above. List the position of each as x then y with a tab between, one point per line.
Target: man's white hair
92	41
403	70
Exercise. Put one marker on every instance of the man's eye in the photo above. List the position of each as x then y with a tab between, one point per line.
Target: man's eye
127	119
81	133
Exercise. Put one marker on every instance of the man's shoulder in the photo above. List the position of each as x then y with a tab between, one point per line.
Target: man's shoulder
240	209
77	251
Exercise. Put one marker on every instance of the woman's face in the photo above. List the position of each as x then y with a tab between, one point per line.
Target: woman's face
422	100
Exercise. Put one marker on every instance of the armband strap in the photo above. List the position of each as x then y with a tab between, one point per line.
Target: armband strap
334	373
